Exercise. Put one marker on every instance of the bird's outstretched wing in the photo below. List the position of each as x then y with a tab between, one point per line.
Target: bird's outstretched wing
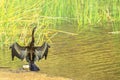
18	51
41	51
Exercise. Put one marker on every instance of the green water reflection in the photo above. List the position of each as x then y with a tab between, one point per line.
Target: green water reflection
90	55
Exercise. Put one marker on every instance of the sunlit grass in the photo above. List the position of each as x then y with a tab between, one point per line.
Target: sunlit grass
92	12
18	17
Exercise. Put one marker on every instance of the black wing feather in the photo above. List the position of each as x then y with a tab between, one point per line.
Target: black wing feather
42	51
18	51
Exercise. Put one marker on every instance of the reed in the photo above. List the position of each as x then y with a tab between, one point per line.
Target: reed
18	17
96	12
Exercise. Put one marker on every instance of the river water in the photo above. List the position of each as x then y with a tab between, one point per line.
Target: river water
93	54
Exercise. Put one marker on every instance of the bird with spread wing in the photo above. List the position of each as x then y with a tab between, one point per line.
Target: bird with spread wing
31	53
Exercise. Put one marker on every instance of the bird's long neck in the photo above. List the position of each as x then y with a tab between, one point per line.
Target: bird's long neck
33	40
31	46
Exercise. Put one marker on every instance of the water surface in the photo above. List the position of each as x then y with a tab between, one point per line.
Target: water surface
93	54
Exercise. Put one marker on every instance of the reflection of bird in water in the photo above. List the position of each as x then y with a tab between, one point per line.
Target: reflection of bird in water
31	52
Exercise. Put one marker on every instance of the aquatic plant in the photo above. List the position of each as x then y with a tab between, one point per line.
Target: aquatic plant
17	17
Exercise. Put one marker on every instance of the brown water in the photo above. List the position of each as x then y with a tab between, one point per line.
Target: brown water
93	54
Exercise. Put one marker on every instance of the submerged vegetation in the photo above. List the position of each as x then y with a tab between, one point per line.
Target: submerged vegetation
17	17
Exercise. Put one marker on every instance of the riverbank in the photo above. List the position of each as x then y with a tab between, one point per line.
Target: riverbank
4	75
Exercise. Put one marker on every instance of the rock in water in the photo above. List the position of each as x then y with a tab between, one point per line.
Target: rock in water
26	67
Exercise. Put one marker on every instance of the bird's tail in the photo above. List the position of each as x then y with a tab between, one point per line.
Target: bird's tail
33	67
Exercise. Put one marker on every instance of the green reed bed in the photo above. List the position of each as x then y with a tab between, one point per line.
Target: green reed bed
92	12
18	17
